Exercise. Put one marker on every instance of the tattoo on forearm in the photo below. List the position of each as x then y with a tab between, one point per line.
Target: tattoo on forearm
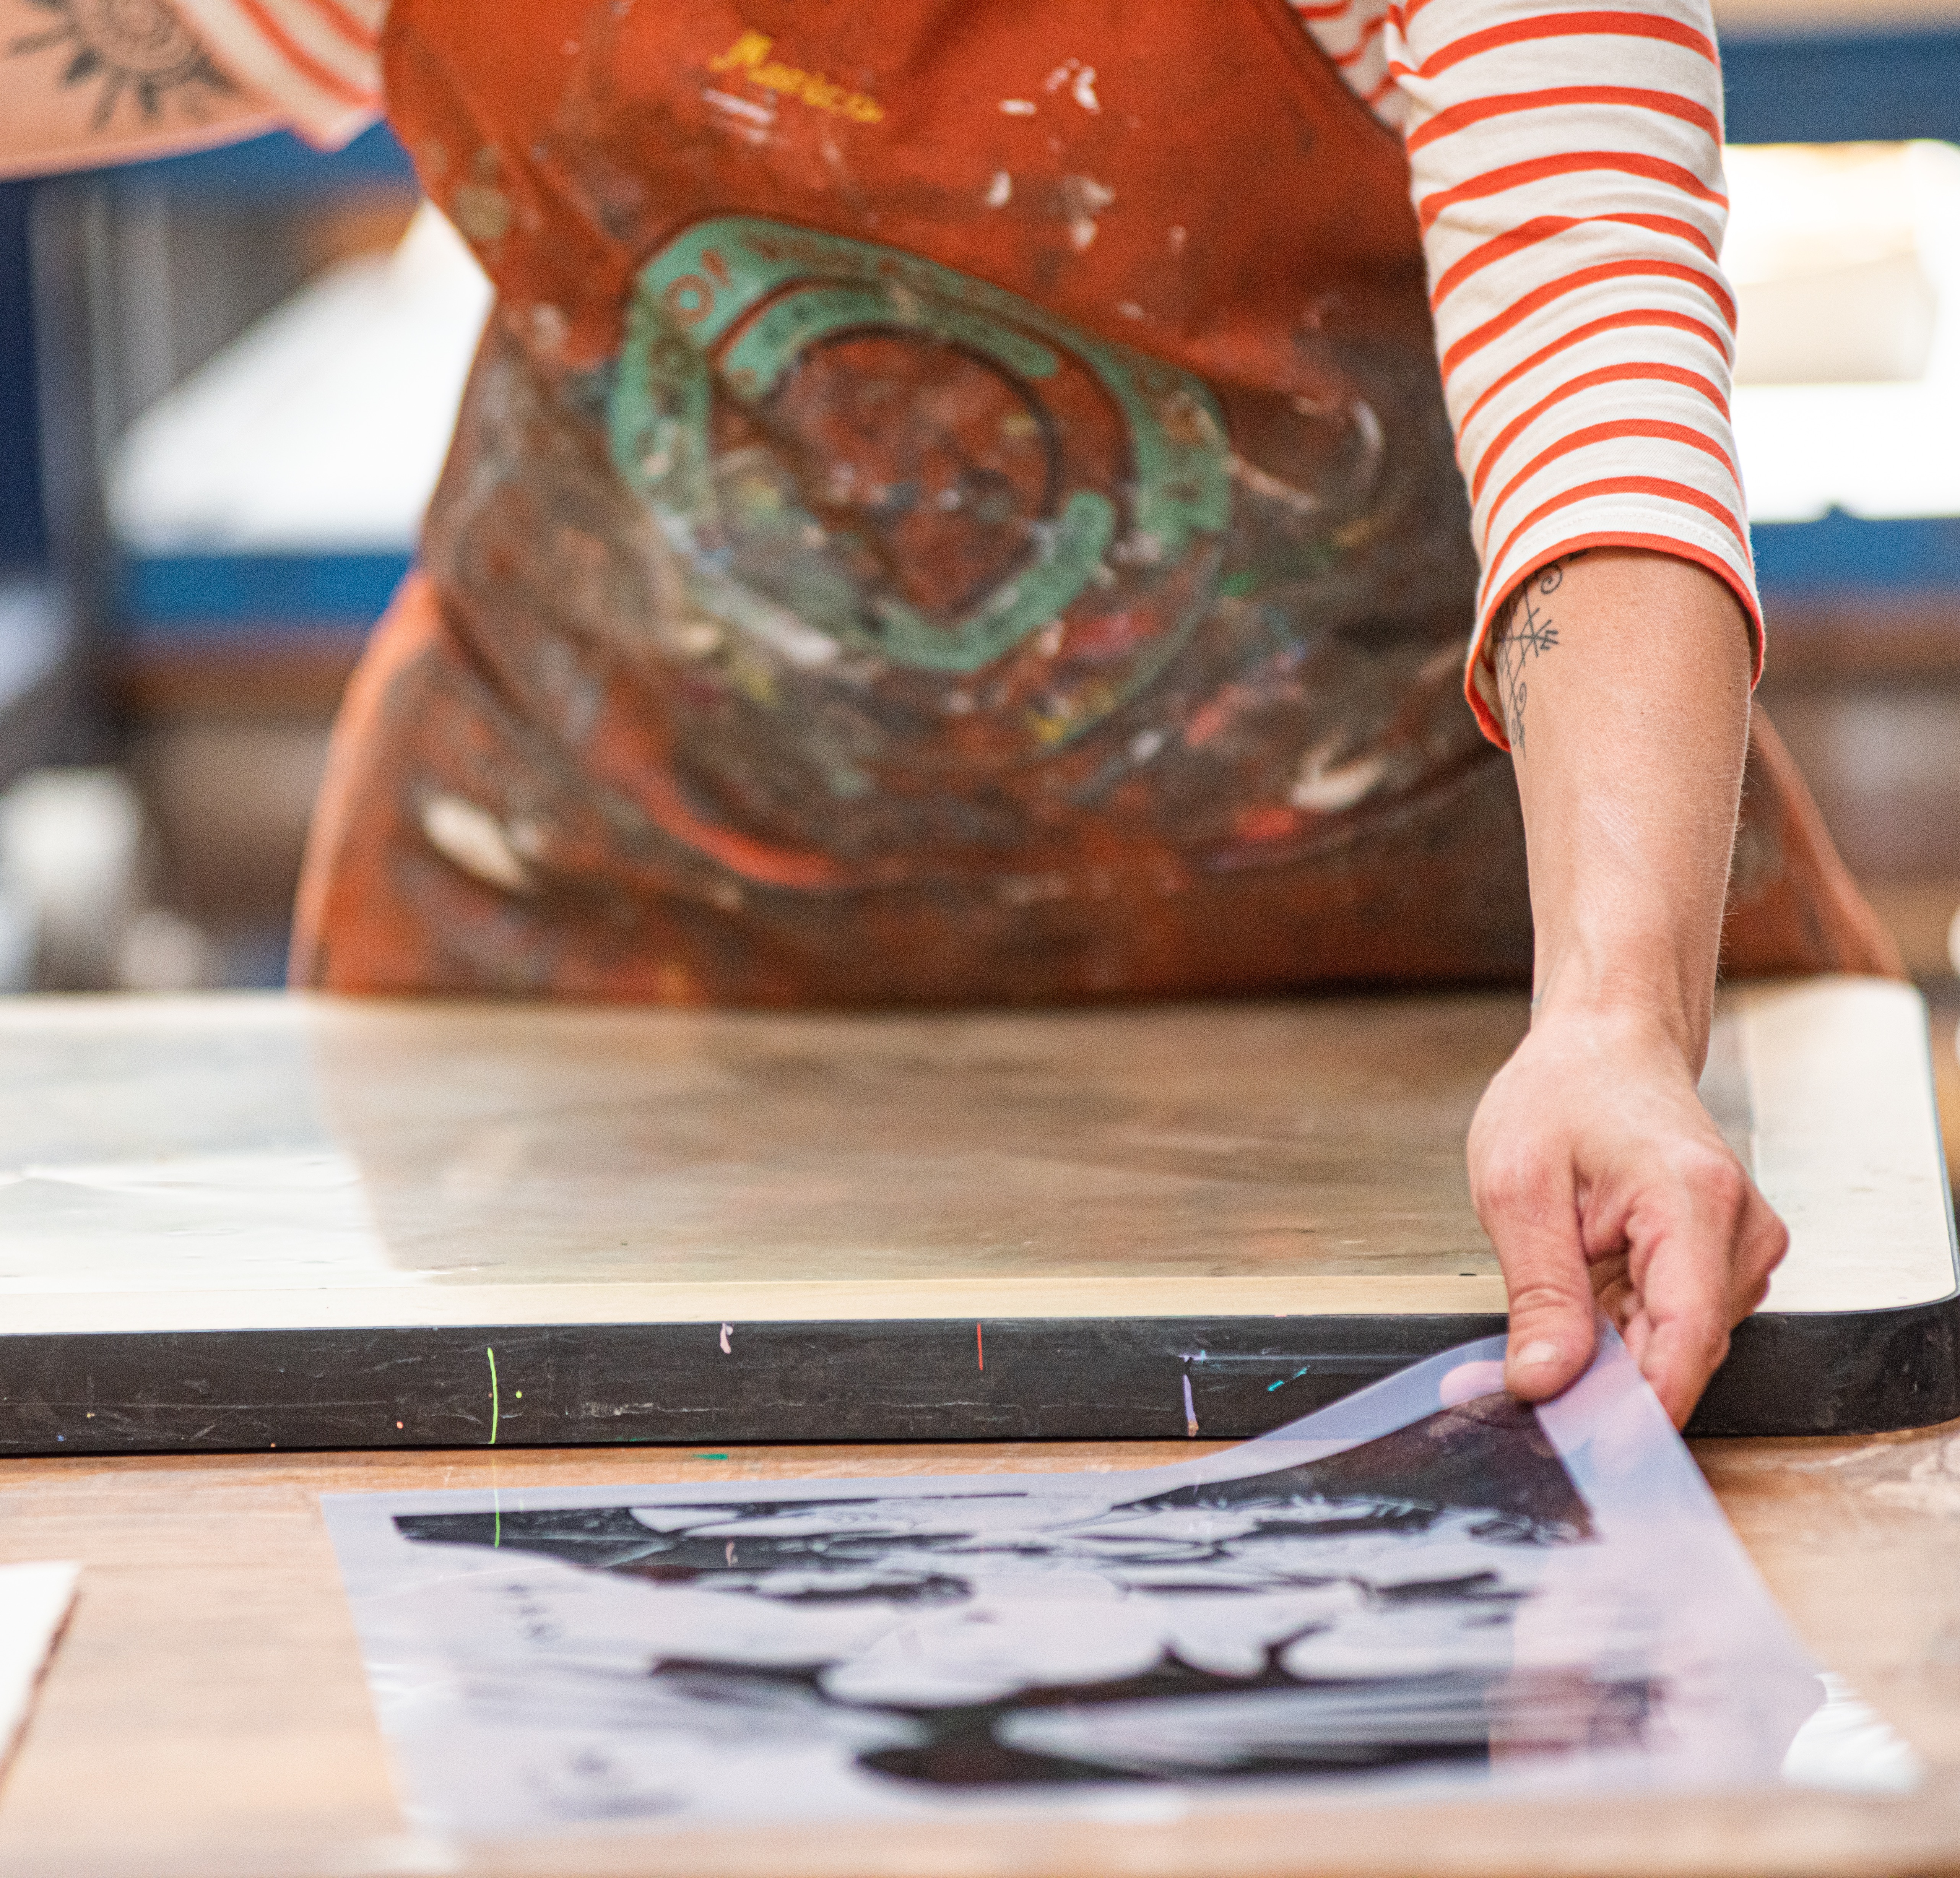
1526	630
134	49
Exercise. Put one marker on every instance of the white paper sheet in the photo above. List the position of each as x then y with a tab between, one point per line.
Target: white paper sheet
35	1600
1424	1587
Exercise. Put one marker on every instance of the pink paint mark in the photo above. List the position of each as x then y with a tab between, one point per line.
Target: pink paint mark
980	1345
725	1329
1206	722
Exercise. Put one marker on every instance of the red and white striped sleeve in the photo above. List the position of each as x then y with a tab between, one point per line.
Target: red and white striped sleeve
1567	166
318	62
1350	33
1567	173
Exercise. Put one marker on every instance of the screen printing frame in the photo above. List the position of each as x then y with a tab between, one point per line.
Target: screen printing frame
1823	1086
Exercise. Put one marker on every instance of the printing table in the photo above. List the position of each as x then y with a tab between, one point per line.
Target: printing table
206	1716
235	1223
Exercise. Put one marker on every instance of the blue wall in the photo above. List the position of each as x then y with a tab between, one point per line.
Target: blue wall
21	539
1848	88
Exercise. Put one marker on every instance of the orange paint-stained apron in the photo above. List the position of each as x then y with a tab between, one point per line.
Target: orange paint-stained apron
954	503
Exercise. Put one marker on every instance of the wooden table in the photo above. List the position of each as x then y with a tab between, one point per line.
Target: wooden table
206	1717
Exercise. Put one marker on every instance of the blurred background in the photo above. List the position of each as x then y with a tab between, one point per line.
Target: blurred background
227	381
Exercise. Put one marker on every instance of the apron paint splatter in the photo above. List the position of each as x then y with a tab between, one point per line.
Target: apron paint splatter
955	503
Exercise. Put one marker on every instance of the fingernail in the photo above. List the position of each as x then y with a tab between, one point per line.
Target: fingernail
1535	1355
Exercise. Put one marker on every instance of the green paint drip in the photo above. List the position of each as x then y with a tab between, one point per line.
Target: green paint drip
492	1355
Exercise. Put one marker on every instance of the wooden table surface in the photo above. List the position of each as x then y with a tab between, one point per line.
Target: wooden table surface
206	1717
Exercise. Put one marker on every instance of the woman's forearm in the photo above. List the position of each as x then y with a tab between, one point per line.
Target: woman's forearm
1623	679
85	85
1600	1177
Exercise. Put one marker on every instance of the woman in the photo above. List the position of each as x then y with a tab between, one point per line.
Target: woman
957	501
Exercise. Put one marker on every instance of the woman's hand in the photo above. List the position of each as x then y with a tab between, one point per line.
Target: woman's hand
1623	678
1600	1177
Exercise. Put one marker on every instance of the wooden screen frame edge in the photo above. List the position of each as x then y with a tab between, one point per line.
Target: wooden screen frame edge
915	1380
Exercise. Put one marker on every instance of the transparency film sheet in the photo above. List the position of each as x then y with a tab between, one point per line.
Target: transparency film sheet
1427	1587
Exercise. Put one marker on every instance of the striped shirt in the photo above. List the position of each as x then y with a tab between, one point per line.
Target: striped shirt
1567	171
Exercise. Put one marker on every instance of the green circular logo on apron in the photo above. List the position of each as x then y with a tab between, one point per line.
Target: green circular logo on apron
839	436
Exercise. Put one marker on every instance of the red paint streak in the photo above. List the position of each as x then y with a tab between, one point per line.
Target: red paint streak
759	860
1267	822
980	1345
1111	636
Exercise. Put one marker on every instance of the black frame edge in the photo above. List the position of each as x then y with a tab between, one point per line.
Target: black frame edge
906	1379
922	1379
